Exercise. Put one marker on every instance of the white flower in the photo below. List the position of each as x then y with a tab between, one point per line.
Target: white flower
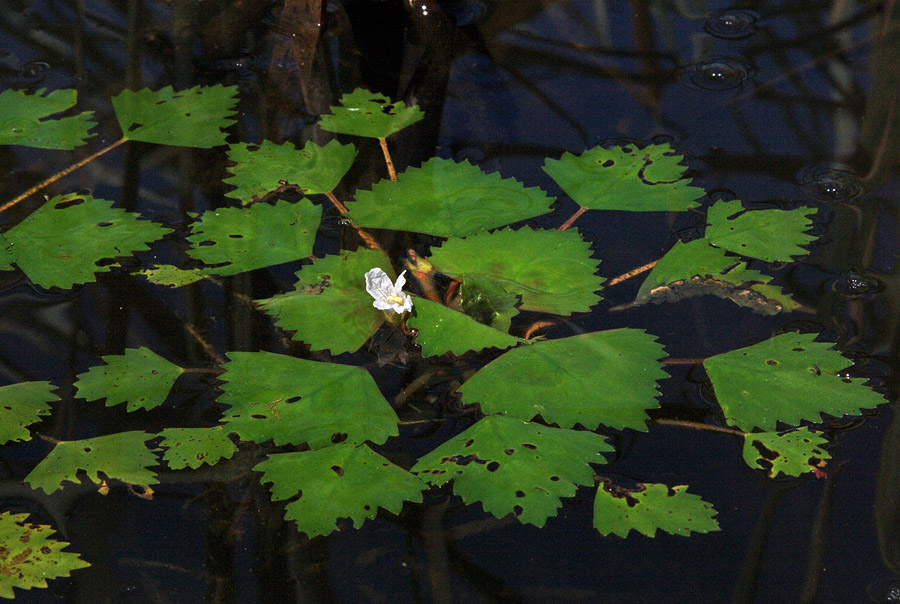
388	296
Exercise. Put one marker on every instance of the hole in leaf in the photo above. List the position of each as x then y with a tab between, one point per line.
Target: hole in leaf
529	446
293	399
252	147
68	203
509	451
136	126
87	449
259	416
235	236
520	494
469	442
554	478
764	451
105	224
338	437
206	243
493	466
608	163
337	470
771	362
517	510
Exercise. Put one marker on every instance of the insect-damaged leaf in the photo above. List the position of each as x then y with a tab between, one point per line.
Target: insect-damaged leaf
243	239
788	378
673	510
606	377
771	235
648	179
22	405
191	118
139	377
302	401
122	456
193	447
447	199
29	555
370	114
791	453
170	276
341	481
443	330
515	467
62	243
22	123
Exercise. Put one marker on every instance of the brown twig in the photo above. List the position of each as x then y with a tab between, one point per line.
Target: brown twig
699	426
203	343
392	173
631	273
363	234
572	219
682	361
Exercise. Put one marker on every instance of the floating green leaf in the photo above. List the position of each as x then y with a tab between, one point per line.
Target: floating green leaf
447	199
331	291
607	377
484	299
649	179
263	168
171	276
552	270
443	330
696	268
29	555
650	507
771	235
342	481
791	453
22	405
370	114
190	118
244	239
302	401
122	456
21	120
63	242
193	447
515	467
788	378
139	377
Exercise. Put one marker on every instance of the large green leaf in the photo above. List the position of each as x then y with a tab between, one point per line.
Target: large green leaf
193	447
443	330
331	292
22	405
771	235
551	270
618	511
515	467
788	378
139	377
300	401
62	243
791	453
190	118
606	377
122	456
263	168
29	555
244	239
342	481
447	199
696	268
21	120
648	179
371	114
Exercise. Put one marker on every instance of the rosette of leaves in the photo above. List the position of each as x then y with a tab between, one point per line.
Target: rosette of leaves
71	237
515	467
646	508
24	119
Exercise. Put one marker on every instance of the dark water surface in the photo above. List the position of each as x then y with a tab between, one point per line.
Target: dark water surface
773	103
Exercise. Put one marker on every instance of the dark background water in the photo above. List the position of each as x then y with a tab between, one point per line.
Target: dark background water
774	103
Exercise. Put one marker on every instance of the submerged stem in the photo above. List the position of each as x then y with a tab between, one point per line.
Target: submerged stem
59	175
364	235
392	173
631	273
572	219
699	426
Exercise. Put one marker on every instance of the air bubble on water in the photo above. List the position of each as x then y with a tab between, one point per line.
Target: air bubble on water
716	74
827	183
34	70
853	284
732	24
884	590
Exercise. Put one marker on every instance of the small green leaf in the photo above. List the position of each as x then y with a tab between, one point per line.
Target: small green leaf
650	179
791	453
788	378
370	114
552	270
263	168
606	377
696	268
29	555
122	456
342	481
171	276
484	299
190	118
443	330
650	507
22	405
515	467
244	239
139	377
770	235
193	447
302	401
447	199
21	120
331	291
62	242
